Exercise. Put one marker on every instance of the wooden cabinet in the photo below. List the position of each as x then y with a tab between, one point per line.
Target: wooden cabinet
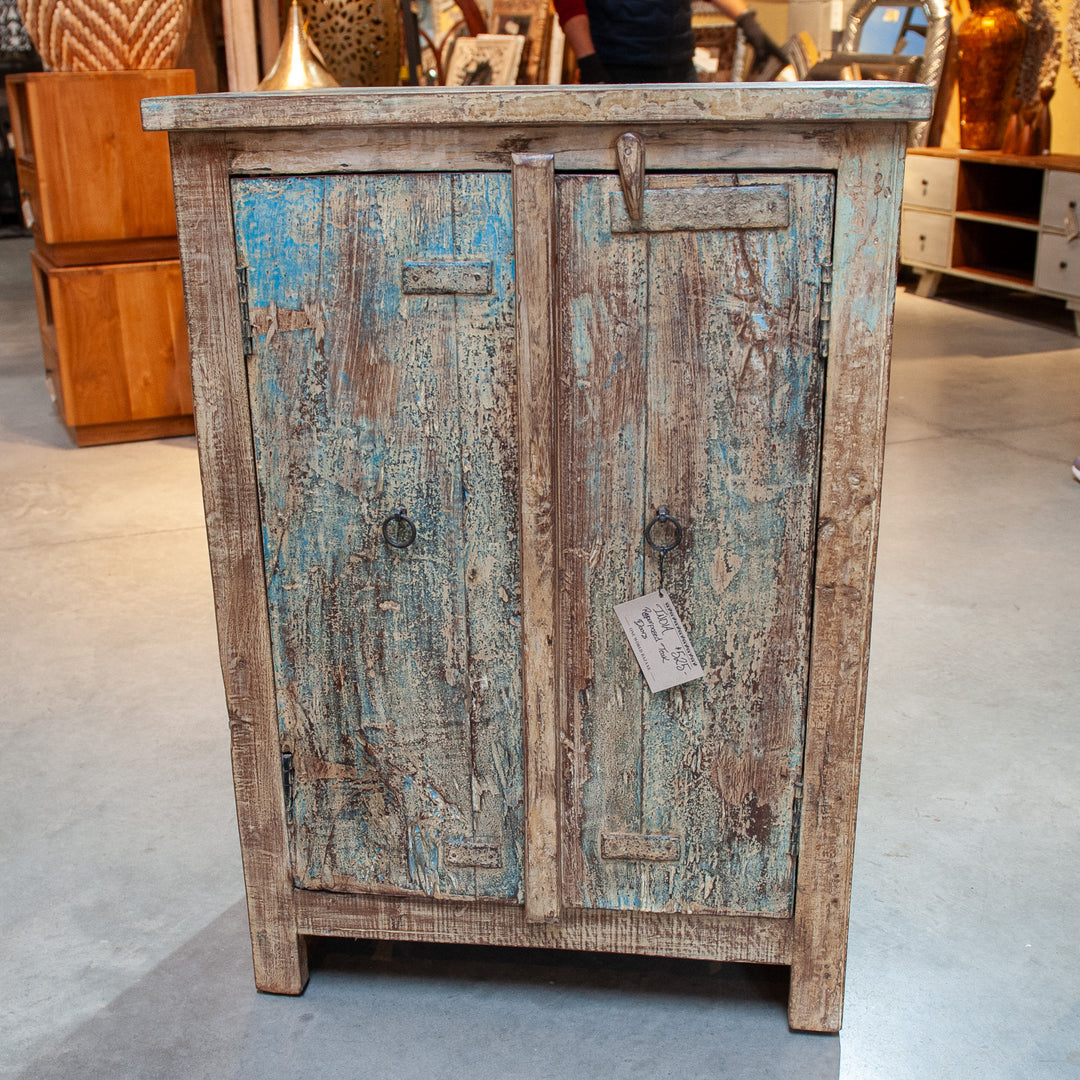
996	218
475	341
95	187
96	190
119	329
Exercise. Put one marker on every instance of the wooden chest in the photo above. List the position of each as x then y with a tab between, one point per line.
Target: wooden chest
453	352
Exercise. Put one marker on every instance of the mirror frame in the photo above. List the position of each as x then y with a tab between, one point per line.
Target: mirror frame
938	27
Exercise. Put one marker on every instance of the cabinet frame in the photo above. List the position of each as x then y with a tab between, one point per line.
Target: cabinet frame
857	133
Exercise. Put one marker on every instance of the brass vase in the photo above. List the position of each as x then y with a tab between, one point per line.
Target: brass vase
991	46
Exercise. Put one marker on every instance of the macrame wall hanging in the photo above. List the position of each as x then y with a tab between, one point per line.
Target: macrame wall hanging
106	35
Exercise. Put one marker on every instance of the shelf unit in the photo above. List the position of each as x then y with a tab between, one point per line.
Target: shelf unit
997	218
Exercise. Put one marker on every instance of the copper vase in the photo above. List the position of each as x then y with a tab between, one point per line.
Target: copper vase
991	45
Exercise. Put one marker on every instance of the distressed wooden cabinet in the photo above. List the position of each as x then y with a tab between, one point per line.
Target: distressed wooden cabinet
452	351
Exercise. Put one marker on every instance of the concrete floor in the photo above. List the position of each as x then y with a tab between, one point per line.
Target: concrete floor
122	932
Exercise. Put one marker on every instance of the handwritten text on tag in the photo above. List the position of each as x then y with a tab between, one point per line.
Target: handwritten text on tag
656	634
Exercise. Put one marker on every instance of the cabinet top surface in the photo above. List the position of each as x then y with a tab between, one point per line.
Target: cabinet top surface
759	103
1065	162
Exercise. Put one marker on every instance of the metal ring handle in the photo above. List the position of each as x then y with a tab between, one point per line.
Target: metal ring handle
400	517
663	518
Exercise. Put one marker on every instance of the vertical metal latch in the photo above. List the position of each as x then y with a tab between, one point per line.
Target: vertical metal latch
288	781
245	310
796	819
826	308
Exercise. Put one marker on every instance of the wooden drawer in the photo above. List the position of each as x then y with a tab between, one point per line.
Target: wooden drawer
930	182
115	348
925	238
1061	197
1057	267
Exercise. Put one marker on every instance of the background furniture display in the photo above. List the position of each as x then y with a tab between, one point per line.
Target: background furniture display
97	192
437	409
997	218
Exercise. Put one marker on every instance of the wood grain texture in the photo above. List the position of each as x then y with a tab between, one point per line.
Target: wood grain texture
574	148
869	187
398	671
120	341
689	367
230	500
534	239
93	173
705	209
704	937
769	103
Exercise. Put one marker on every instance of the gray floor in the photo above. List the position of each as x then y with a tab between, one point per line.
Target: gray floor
122	935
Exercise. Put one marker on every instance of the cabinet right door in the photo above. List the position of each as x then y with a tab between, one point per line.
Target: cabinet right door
690	376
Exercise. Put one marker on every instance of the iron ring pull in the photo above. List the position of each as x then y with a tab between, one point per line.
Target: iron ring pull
663	518
403	525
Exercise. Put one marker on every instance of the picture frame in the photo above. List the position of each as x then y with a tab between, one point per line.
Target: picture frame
532	19
499	53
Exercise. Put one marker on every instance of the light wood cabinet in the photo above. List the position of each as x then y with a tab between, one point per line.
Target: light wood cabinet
96	190
475	341
996	218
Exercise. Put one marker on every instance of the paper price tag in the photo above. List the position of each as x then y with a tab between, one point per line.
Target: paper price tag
656	634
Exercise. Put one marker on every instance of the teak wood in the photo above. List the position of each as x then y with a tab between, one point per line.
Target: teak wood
495	315
95	187
115	347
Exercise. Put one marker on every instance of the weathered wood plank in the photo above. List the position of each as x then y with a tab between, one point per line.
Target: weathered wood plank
602	295
534	205
234	532
735	407
706	209
409	918
394	666
767	103
467	278
868	206
574	149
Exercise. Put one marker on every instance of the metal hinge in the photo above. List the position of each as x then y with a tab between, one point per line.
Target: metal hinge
796	819
288	782
245	309
826	309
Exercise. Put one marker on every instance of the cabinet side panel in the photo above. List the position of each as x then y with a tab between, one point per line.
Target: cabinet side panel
869	187
231	506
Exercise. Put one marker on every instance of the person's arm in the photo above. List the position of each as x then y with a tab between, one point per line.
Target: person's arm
575	23
746	21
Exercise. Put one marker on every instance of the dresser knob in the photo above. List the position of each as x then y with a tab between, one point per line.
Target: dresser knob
404	529
1064	265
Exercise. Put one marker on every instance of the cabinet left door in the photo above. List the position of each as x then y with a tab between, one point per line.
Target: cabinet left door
381	378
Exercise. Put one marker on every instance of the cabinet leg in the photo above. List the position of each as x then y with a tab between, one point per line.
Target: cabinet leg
815	1003
929	280
280	958
1074	307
